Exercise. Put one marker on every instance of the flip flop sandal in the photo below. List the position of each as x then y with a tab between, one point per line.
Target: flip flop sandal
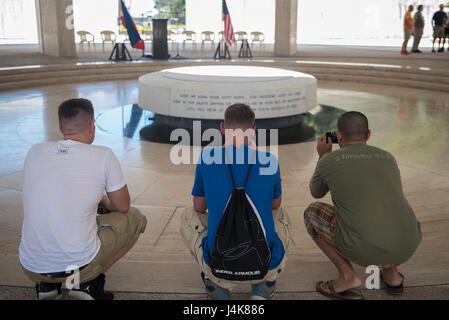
394	290
345	295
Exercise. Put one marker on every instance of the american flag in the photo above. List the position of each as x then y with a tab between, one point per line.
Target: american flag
228	30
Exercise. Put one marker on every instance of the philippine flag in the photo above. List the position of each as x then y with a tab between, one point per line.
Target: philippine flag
128	23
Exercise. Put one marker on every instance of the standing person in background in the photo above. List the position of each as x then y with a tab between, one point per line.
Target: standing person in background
418	29
446	33
408	29
438	21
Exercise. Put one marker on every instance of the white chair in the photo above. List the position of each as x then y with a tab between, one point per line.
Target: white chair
123	35
108	36
257	36
207	36
220	36
171	37
86	37
189	36
147	35
240	36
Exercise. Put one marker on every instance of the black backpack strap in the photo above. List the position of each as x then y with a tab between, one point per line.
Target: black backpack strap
247	175
232	177
249	169
230	169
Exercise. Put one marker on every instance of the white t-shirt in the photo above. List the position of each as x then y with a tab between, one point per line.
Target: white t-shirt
63	183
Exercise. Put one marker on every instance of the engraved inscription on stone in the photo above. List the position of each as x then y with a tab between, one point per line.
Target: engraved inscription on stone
261	103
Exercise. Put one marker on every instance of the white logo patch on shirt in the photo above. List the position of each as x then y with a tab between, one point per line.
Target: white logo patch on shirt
62	150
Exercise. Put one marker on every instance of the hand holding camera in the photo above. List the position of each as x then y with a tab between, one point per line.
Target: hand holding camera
324	145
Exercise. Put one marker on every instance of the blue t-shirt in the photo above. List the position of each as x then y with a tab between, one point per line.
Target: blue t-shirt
439	17
213	181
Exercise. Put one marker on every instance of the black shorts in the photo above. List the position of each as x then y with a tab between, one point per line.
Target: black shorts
446	32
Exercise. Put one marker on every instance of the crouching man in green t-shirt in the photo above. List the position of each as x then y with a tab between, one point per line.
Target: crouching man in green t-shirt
371	222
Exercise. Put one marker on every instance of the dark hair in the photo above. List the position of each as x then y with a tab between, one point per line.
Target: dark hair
75	115
354	126
420	6
239	115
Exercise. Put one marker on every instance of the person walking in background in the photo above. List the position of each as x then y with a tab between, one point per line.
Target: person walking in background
438	21
418	30
408	29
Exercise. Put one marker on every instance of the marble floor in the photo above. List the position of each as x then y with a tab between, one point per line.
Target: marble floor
412	124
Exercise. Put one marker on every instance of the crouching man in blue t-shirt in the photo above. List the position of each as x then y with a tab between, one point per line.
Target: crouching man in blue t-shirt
212	189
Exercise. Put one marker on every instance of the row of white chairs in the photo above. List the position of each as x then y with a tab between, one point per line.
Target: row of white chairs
187	36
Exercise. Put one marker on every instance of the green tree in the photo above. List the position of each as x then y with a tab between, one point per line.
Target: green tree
171	8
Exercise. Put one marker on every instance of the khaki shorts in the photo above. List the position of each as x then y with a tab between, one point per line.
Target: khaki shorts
321	221
116	231
194	229
438	32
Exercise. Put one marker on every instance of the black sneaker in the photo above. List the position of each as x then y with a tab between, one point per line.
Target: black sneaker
49	291
441	50
92	290
433	50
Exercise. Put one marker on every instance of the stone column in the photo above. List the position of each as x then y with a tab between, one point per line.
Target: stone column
55	27
285	27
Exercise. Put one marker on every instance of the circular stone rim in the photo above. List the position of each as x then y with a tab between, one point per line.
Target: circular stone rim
177	92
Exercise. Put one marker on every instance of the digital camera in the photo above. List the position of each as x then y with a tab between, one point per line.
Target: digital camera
332	136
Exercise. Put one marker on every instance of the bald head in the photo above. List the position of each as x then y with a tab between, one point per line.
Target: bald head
353	126
75	116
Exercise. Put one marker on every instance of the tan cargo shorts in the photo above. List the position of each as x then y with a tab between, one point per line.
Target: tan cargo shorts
116	231
194	229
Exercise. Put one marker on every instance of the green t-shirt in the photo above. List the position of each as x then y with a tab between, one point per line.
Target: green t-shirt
375	223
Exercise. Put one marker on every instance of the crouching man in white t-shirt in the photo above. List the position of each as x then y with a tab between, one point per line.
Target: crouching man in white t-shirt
63	238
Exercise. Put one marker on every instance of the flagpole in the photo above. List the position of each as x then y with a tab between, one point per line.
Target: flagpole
222	52
222	47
